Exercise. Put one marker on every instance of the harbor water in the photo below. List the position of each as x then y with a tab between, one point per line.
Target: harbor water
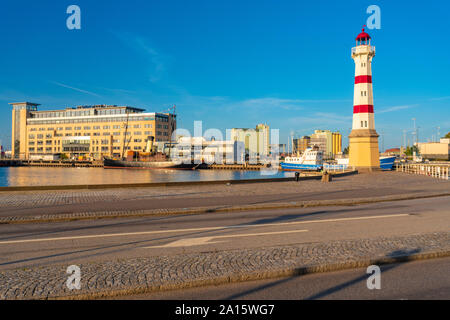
40	176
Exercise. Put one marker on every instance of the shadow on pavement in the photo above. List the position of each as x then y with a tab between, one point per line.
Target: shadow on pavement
397	256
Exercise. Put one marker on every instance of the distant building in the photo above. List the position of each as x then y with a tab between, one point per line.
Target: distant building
318	136
256	140
301	144
281	148
213	151
393	152
337	143
330	143
85	131
321	143
435	150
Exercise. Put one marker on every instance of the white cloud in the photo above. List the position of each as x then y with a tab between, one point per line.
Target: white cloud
321	119
156	60
440	98
395	108
76	89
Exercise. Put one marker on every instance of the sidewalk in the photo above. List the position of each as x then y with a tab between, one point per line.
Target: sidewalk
142	275
40	206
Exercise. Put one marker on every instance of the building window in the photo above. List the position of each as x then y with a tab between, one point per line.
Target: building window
105	127
105	141
137	126
30	149
116	133
366	124
106	134
68	128
137	133
137	140
31	136
362	124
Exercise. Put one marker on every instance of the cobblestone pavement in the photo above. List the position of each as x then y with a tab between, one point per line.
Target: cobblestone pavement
349	187
182	271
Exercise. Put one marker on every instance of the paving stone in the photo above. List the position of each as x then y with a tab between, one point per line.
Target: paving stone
182	270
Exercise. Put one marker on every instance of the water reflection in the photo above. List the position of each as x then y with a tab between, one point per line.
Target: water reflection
38	176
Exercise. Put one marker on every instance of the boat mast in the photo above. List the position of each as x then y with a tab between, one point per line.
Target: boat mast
126	131
171	126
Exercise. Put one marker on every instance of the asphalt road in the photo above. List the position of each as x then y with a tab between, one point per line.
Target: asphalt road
416	280
29	245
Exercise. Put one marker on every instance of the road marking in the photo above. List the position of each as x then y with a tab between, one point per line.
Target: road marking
189	242
203	229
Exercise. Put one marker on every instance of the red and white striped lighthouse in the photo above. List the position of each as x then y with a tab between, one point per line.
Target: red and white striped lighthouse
364	153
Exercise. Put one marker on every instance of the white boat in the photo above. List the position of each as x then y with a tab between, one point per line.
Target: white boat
386	163
311	159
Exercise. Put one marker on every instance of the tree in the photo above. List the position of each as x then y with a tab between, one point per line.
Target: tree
410	150
346	150
447	136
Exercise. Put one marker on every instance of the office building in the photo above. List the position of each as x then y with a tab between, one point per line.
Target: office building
87	132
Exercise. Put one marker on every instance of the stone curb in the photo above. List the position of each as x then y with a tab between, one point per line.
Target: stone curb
270	274
199	210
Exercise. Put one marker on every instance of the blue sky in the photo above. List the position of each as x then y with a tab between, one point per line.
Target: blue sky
230	63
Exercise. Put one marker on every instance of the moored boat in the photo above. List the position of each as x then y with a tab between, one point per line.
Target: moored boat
109	163
386	163
311	159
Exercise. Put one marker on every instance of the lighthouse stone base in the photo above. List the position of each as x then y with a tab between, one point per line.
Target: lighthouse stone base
364	151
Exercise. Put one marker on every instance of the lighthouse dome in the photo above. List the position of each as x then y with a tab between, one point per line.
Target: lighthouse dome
363	36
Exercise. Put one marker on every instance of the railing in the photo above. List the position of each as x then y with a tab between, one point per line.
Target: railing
335	167
355	50
431	170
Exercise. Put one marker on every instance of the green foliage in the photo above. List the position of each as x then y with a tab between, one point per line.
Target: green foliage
346	150
410	150
447	136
